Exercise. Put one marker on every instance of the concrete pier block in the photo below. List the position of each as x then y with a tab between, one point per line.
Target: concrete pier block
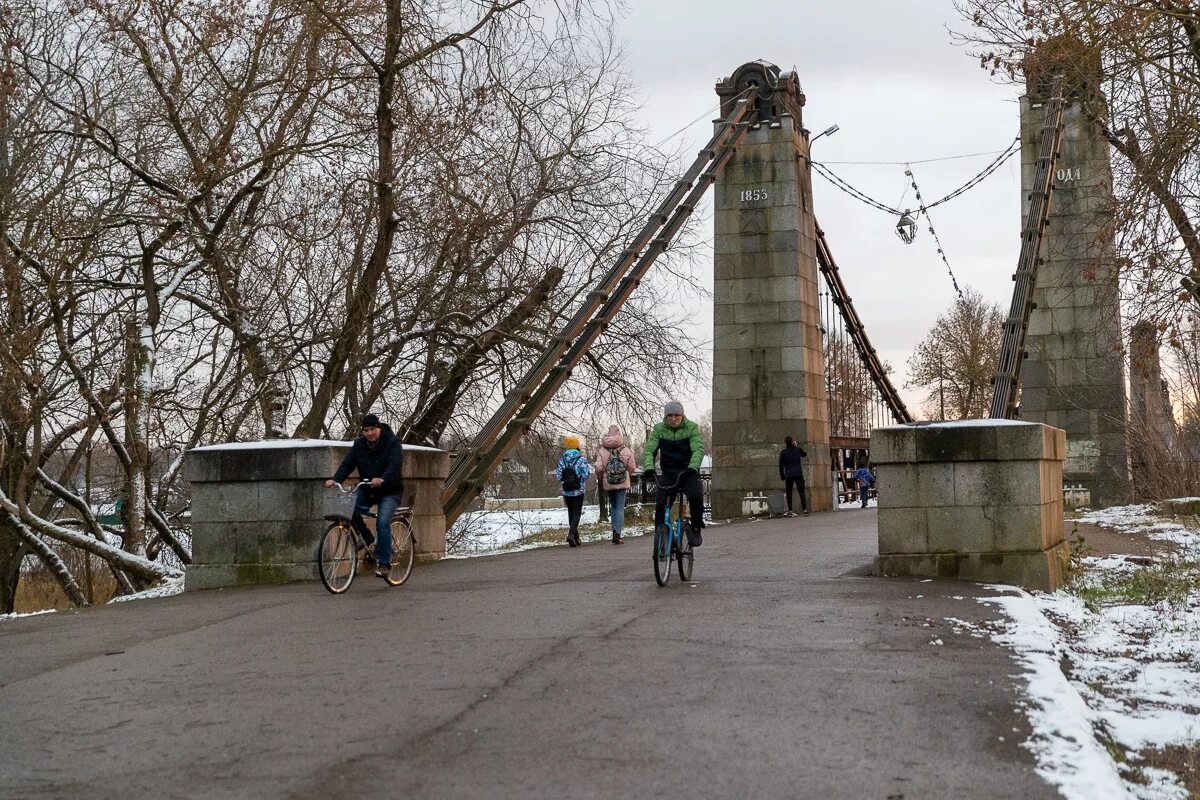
257	508
979	500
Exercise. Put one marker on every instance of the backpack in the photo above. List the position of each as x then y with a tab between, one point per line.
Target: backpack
570	478
616	471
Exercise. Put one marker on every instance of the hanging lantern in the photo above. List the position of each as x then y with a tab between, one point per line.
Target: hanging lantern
906	228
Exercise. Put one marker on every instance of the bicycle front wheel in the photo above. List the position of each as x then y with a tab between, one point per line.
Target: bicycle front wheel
337	557
685	556
662	554
404	548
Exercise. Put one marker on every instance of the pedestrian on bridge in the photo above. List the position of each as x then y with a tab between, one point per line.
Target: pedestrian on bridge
680	448
791	472
572	471
615	464
865	480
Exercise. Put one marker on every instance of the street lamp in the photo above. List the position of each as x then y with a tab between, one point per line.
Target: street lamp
826	132
906	228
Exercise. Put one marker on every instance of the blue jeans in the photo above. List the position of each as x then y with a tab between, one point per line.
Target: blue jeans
616	508
383	523
862	493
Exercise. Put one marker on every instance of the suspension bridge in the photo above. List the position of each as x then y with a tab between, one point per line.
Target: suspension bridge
791	354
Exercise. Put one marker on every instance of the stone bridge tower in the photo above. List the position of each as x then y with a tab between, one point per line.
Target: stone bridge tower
768	361
1073	377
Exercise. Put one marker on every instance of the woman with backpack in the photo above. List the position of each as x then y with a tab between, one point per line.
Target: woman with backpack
615	464
572	471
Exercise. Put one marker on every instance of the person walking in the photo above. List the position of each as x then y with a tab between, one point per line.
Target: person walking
791	472
572	472
865	480
615	464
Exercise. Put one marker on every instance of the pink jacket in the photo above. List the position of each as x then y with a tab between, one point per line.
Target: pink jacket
613	440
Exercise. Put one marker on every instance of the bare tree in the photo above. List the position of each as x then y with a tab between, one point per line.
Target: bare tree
1133	68
214	217
956	360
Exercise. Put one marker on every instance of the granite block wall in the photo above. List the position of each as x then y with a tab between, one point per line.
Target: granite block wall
978	500
257	508
768	361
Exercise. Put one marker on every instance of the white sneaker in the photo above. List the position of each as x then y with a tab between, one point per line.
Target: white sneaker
788	514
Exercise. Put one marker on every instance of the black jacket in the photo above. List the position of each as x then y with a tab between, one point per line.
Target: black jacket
384	459
790	464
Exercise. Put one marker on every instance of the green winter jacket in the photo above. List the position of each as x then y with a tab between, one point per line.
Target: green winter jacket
681	448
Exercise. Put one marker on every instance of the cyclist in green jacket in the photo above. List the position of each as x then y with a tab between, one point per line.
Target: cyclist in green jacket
680	449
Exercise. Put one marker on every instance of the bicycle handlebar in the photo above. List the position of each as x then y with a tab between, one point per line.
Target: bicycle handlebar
354	488
674	485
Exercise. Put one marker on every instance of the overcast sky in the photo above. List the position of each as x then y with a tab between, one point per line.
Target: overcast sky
888	75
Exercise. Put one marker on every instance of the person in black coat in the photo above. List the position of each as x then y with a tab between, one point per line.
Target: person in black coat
791	472
378	456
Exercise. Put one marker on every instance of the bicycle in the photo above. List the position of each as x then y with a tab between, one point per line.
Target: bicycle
670	538
340	546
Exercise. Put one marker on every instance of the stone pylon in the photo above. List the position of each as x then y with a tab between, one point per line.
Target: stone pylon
1073	377
1151	424
768	364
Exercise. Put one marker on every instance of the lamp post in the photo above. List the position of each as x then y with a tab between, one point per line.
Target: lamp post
826	132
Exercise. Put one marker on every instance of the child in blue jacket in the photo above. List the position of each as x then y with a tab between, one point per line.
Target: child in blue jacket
572	471
865	479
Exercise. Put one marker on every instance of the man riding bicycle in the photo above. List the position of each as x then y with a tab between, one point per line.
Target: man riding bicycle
378	456
677	441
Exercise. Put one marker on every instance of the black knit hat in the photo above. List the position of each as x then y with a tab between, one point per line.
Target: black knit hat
369	421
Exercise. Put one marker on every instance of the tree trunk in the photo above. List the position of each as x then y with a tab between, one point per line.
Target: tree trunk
137	365
12	550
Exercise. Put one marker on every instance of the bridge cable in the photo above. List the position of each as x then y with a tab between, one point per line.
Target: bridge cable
925	210
534	391
704	114
916	160
974	181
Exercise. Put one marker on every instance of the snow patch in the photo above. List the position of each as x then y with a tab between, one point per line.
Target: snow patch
5	617
1063	741
291	444
167	588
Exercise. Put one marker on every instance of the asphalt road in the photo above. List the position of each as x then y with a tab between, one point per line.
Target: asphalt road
781	671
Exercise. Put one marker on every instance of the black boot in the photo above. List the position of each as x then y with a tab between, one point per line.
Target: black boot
616	538
694	537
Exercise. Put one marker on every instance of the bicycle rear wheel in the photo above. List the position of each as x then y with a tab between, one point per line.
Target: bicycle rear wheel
404	548
685	555
662	554
337	557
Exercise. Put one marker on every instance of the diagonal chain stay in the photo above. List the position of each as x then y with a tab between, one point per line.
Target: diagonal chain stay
522	406
858	334
1012	347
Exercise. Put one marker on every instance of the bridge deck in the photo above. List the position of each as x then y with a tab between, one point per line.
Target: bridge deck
555	673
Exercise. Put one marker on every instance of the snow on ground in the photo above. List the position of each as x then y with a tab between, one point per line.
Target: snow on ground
482	533
1104	668
4	617
171	586
871	503
1145	520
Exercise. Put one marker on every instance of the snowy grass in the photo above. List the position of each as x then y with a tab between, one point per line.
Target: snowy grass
482	533
1113	664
